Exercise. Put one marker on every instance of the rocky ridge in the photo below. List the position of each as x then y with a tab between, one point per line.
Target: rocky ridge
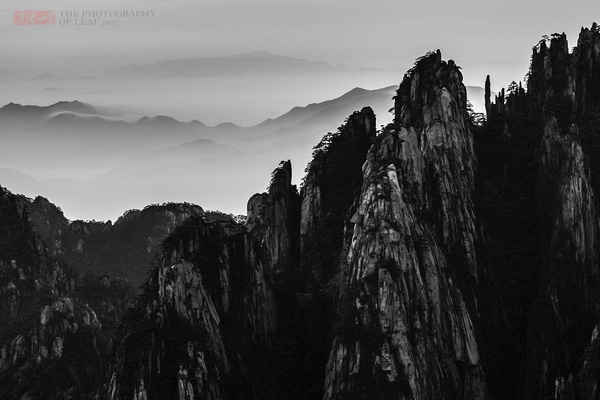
396	272
546	165
405	329
240	298
53	344
206	305
123	249
392	290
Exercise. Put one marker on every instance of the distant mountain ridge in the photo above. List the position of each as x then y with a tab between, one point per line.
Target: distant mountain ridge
298	114
137	154
69	111
256	63
44	77
15	110
163	153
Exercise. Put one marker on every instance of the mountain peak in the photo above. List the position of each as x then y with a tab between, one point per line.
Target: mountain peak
46	76
159	119
73	104
257	54
36	111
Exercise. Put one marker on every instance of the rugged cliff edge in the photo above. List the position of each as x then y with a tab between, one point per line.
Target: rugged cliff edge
272	218
53	344
124	249
389	241
331	185
231	311
404	329
569	303
442	257
545	164
567	308
206	312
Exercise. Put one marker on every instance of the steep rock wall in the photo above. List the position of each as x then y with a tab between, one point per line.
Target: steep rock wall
123	249
272	218
404	329
547	140
567	306
207	311
331	185
52	343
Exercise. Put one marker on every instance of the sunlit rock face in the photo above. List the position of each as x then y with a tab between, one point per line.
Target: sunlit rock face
206	310
403	328
402	224
433	101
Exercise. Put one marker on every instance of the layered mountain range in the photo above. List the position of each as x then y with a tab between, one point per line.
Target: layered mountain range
76	153
440	257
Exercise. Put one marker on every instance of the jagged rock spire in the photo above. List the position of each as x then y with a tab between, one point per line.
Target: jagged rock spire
402	319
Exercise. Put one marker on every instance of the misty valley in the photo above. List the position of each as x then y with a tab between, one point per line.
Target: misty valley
79	153
421	240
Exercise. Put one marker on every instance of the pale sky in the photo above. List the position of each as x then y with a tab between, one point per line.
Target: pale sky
483	37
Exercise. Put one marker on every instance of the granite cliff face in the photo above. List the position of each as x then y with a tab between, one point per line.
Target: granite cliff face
124	249
26	263
404	329
564	82
433	101
569	304
332	182
53	344
272	218
441	257
230	311
207	310
389	242
545	165
569	218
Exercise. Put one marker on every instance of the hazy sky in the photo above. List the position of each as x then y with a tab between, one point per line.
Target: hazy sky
482	36
90	37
